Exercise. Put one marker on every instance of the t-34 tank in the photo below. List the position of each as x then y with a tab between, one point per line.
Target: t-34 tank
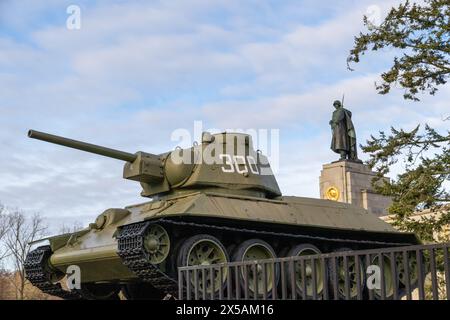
212	203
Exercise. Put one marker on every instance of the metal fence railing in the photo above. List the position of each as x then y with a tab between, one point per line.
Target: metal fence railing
414	273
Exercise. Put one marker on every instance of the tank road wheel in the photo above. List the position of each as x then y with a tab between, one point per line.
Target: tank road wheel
204	250
256	249
103	291
351	272
157	243
307	283
388	280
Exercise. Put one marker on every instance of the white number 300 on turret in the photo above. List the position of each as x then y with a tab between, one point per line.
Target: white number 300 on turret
239	164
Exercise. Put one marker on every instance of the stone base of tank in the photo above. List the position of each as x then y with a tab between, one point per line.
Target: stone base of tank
351	182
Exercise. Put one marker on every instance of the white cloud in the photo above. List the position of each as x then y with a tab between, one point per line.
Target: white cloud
138	70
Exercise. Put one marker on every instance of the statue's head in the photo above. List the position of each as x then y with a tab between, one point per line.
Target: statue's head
337	104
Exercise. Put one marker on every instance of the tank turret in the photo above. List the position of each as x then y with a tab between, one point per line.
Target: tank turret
224	163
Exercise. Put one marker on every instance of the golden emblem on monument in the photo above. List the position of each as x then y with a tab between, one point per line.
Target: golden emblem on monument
332	193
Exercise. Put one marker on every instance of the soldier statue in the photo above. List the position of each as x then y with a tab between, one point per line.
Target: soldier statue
344	135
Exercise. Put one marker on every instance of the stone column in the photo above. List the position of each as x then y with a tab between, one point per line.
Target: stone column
350	181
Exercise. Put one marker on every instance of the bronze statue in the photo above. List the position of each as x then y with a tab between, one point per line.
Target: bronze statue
344	135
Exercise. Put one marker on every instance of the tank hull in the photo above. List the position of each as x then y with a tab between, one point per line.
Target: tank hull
283	223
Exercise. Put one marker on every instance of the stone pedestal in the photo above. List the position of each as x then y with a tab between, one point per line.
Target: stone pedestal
351	182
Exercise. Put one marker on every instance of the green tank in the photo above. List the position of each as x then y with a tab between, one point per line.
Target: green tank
215	202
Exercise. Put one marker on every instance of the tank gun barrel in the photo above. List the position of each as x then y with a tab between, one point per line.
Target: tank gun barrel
83	146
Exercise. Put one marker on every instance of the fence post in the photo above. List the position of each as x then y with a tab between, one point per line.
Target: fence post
304	276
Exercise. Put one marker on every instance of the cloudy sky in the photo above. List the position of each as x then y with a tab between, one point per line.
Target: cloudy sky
138	70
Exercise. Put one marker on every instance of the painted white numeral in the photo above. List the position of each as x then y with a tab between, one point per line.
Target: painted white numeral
238	164
240	161
228	161
252	164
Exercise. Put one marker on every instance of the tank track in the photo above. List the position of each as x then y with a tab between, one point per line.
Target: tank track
133	254
36	270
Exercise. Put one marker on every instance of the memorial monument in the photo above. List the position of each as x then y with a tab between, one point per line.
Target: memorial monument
348	179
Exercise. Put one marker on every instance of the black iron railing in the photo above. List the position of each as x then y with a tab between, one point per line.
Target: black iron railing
414	272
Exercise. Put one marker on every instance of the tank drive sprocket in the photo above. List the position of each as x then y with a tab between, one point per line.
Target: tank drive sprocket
132	251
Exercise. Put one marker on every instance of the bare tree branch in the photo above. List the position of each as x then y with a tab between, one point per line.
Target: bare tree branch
23	231
76	226
3	230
